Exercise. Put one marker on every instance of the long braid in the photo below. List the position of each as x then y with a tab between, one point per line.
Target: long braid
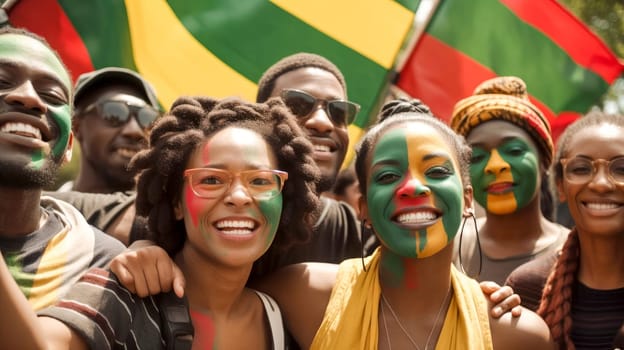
556	300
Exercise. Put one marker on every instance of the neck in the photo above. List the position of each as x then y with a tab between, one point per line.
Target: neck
601	262
21	211
210	287
523	224
416	281
92	181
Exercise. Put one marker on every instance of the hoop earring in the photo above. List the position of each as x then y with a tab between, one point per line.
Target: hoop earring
363	227
461	236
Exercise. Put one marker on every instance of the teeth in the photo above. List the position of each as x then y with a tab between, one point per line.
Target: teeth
240	224
409	218
602	206
322	148
126	152
21	129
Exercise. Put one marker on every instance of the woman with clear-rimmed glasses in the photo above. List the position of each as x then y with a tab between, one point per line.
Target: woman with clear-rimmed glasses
583	296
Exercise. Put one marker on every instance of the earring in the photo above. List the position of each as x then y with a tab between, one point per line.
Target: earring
461	236
363	227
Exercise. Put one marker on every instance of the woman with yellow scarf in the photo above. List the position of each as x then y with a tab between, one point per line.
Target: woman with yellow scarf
414	178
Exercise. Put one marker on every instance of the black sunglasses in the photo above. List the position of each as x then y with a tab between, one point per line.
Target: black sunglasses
302	104
117	113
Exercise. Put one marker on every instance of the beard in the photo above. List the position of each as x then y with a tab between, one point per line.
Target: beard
23	176
114	177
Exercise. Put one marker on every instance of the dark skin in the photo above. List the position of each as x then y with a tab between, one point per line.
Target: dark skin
106	150
318	126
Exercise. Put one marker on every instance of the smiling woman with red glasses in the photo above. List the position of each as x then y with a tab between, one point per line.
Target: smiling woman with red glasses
582	299
225	187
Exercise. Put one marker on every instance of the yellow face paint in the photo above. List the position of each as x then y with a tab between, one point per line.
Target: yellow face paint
500	196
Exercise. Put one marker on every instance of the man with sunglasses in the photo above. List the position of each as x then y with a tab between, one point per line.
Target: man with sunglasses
114	109
316	92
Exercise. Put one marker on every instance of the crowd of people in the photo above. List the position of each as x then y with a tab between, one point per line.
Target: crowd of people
190	225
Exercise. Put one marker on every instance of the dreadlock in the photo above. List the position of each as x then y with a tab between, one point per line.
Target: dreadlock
556	300
191	121
266	84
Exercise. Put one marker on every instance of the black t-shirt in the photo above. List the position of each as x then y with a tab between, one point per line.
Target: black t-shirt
100	209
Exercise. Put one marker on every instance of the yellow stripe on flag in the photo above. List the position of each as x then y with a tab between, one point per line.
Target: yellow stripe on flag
374	28
174	61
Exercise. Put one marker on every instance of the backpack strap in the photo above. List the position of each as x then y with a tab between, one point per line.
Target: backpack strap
275	320
175	321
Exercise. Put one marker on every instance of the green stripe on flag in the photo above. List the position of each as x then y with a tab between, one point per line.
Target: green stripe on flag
411	5
103	28
502	46
252	35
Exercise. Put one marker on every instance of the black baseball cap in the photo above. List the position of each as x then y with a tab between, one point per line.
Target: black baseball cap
95	78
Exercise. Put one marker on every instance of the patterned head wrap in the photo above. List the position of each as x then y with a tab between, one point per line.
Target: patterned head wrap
504	98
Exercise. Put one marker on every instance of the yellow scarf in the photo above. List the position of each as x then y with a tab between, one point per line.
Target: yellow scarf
351	318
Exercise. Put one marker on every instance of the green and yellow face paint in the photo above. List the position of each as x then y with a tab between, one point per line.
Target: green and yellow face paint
414	191
505	178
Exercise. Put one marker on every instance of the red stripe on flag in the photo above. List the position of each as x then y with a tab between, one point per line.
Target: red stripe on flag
440	76
569	33
47	19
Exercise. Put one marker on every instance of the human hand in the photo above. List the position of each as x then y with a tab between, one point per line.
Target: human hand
146	269
503	299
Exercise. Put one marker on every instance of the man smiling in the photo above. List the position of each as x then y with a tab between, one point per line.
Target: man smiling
46	243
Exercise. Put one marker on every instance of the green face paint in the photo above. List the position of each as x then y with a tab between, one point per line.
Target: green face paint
506	178
272	211
414	192
23	59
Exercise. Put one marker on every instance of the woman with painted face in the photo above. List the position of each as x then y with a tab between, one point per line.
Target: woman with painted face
413	175
223	185
583	298
512	150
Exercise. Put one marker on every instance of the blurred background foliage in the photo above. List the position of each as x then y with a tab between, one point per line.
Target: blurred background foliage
606	19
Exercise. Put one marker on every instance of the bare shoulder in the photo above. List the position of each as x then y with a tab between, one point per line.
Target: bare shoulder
302	292
528	331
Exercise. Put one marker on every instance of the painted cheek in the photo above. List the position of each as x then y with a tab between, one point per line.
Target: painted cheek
62	117
525	168
504	203
272	211
193	204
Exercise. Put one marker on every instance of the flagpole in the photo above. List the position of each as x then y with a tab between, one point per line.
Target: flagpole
422	17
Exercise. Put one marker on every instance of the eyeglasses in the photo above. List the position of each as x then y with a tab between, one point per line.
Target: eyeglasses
213	183
117	113
581	170
302	104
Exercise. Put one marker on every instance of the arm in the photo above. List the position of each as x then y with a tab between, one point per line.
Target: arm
527	331
20	328
303	292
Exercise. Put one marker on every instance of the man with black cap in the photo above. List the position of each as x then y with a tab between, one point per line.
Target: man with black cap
114	109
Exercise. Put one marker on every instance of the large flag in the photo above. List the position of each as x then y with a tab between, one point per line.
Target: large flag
566	67
221	47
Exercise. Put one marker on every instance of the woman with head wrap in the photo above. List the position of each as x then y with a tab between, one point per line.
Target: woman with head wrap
512	151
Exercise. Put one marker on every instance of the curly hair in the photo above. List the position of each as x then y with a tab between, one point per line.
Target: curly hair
407	114
555	306
193	120
266	84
